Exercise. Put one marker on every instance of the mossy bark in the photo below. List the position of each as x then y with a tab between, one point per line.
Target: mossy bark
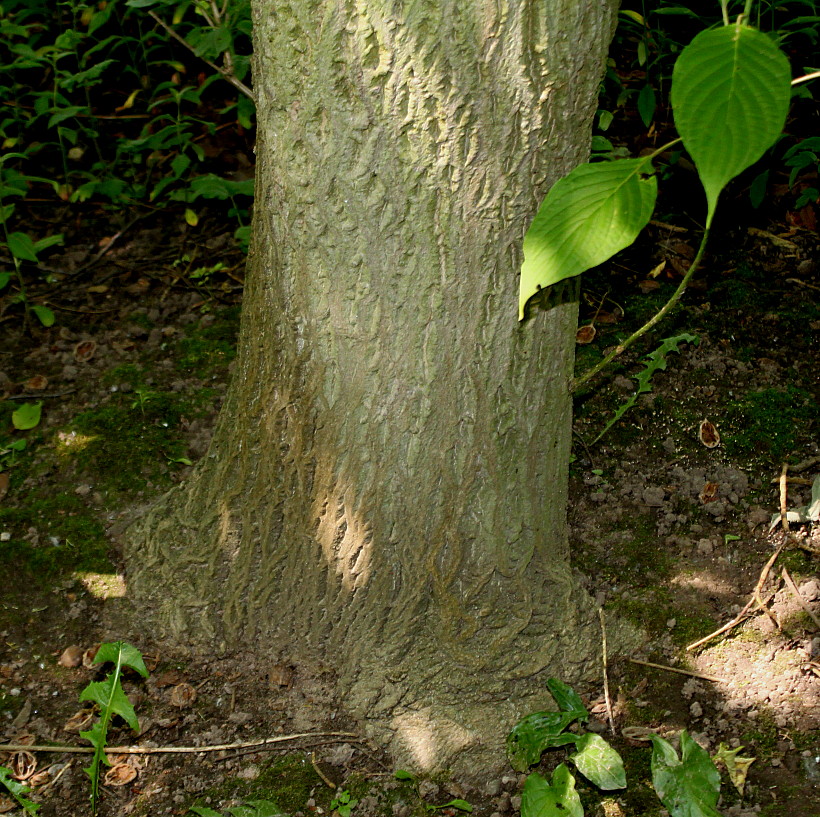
386	489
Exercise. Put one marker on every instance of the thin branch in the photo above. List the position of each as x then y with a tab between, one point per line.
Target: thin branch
657	317
606	675
679	671
223	72
806	77
800	600
159	750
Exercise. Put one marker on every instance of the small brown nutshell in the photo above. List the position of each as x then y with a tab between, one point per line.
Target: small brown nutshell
7	803
585	334
709	434
84	351
183	695
36	383
79	721
709	492
23	765
71	657
281	675
89	655
120	775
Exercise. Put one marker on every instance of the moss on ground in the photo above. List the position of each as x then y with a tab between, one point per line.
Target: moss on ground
53	537
768	421
207	348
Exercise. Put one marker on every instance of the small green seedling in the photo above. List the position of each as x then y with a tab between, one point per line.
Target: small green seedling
653	361
17	791
112	700
343	803
460	805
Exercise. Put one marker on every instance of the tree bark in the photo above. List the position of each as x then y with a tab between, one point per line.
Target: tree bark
386	489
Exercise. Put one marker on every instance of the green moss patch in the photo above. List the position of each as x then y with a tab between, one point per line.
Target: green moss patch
207	348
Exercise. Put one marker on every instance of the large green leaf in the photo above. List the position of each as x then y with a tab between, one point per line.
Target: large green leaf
599	763
540	799
689	786
731	88
535	733
588	216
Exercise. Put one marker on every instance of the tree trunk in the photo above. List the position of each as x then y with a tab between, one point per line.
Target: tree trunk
386	489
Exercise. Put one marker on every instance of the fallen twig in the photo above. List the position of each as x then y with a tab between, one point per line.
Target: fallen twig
801	601
679	671
606	676
746	611
157	750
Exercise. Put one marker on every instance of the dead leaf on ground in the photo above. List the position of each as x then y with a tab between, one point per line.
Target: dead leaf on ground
648	285
183	695
709	492
168	678
709	435
84	351
4	484
610	317
585	334
120	775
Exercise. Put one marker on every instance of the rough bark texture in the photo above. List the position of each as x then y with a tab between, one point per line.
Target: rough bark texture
386	489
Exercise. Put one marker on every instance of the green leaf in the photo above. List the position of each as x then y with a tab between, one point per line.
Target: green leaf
48	241
588	216
125	654
112	700
27	416
731	88
559	799
22	247
567	698
599	763
5	277
44	314
535	733
17	790
689	786
204	811
401	774
646	104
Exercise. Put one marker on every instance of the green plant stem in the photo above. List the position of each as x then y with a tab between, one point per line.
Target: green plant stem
657	317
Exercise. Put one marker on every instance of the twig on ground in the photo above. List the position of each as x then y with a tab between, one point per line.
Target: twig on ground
607	700
325	779
680	671
746	611
38	396
784	493
801	601
158	750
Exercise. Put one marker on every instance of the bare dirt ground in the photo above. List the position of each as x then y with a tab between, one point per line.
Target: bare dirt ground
668	532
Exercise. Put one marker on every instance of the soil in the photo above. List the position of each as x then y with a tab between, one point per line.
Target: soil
667	531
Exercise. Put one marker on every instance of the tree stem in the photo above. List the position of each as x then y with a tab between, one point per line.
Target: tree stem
658	316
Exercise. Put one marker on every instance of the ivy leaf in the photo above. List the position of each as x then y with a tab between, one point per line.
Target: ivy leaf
599	763
44	315
731	88
559	799
689	786
535	733
588	216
